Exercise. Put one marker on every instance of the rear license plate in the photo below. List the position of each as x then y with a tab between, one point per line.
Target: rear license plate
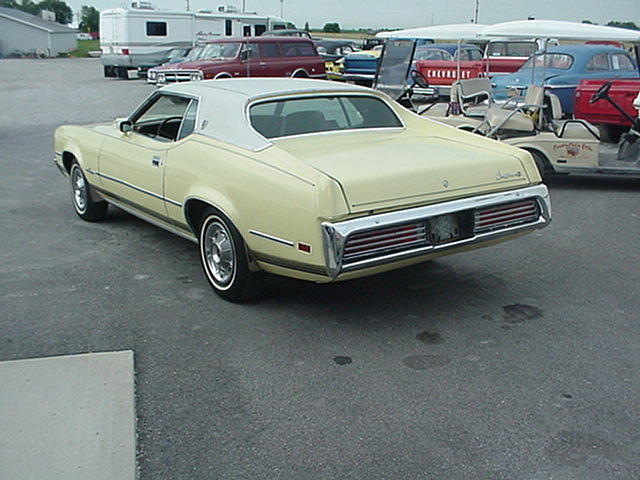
444	228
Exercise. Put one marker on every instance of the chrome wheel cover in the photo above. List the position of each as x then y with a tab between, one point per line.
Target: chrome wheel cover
79	189
219	253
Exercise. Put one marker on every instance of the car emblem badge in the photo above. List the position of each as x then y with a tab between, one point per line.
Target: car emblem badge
445	183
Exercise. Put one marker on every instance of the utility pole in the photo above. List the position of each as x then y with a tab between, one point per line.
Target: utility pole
243	6
187	5
282	9
475	16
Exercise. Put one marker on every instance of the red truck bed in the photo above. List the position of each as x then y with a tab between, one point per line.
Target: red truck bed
445	72
623	92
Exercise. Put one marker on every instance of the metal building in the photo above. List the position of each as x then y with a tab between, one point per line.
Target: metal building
22	32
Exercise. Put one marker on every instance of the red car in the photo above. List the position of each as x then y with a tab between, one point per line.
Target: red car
610	121
248	57
500	56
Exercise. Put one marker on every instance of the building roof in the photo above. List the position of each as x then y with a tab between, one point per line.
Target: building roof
223	103
33	21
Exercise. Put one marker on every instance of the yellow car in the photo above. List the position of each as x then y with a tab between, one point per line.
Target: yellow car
310	179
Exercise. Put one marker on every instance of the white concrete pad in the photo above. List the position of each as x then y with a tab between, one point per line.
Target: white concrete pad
70	417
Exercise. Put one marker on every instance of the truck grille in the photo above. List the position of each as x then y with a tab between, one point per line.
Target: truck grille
385	240
175	76
506	215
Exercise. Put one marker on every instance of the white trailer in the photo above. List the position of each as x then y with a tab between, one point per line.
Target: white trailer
141	37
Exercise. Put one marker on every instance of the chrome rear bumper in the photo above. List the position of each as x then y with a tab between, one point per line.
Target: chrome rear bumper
336	235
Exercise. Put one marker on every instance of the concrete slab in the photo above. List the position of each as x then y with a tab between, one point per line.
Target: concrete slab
69	417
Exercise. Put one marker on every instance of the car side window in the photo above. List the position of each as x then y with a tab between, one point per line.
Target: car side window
598	63
188	121
269	50
254	48
620	61
161	118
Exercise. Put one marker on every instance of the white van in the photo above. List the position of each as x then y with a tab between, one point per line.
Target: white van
142	37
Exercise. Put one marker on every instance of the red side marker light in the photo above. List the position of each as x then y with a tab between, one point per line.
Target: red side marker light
303	247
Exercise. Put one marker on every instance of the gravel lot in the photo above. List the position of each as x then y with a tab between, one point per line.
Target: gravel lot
514	362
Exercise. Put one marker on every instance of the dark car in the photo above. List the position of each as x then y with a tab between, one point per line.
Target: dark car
270	56
286	33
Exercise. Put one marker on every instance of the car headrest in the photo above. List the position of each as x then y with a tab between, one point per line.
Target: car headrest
303	122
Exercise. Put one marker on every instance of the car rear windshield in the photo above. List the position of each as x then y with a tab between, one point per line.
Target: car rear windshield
297	116
560	61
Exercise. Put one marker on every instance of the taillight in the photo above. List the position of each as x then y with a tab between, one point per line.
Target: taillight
125	51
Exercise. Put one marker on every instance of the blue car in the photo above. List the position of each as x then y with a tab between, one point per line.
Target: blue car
361	67
561	68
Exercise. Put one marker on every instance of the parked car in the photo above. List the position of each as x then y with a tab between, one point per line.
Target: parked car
499	57
361	67
611	122
193	53
270	56
316	180
333	53
175	55
287	33
561	68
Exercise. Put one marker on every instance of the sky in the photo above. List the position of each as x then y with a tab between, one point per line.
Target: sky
409	13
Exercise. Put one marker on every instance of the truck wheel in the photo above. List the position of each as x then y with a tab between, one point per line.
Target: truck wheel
224	258
109	71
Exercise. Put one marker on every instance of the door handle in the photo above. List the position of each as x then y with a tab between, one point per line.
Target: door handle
156	162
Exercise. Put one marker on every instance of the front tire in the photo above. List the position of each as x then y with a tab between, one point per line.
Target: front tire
224	259
83	203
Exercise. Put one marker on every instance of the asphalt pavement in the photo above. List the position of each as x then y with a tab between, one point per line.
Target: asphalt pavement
518	361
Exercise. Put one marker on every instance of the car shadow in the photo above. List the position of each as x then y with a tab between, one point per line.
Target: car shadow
593	182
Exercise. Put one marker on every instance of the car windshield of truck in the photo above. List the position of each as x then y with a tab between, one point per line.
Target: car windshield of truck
220	50
195	53
511	49
298	116
558	61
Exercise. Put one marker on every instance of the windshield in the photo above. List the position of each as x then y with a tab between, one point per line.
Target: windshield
559	61
321	114
195	53
220	50
431	54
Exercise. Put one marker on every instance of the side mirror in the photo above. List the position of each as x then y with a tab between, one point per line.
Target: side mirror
124	125
245	55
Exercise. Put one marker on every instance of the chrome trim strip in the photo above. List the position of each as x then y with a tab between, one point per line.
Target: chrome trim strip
130	185
271	237
335	234
152	221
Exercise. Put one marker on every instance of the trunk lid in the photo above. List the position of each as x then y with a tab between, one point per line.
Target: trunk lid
384	170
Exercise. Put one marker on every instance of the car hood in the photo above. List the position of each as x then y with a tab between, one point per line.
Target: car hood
383	170
193	65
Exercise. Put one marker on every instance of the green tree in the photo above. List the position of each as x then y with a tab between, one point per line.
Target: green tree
63	12
331	28
589	22
291	26
629	25
27	6
306	27
89	19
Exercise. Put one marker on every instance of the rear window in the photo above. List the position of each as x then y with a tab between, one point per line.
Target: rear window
321	114
559	61
511	49
298	49
156	29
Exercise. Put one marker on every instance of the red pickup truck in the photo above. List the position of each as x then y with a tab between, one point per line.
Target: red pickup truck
500	56
610	122
248	57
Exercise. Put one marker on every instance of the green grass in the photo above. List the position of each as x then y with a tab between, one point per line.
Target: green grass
84	47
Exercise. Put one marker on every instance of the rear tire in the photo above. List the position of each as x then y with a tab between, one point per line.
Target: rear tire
225	260
543	165
85	206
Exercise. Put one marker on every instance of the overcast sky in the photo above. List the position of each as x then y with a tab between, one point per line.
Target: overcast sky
410	13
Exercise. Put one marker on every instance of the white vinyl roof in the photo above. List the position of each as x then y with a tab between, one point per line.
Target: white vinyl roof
454	31
222	111
559	30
